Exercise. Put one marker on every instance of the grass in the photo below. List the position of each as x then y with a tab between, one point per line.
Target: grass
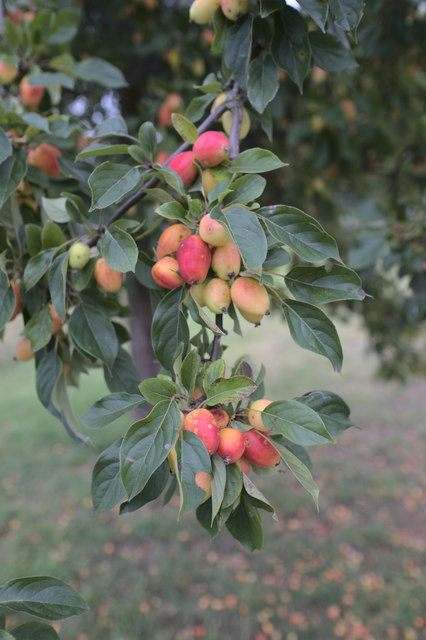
352	571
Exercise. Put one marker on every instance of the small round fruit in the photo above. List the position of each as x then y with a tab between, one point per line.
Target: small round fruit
211	148
259	450
202	423
57	322
208	181
165	273
217	296
23	350
108	279
231	444
213	232
183	165
245	123
172	458
202	11
226	261
45	157
30	95
197	292
8	72
250	296
194	258
253	318
220	416
79	255
170	239
18	302
254	414
204	481
234	9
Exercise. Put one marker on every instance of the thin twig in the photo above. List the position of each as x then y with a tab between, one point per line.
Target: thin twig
237	120
216	340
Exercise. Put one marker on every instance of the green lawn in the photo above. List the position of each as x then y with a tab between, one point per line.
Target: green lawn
353	571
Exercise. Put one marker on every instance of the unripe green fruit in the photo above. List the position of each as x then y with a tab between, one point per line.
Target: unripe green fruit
217	296
197	292
245	123
208	180
234	9
202	11
79	255
213	232
226	261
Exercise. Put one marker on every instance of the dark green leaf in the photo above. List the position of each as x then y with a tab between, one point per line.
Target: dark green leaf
311	329
56	209
245	525
317	9
197	106
7	300
238	49
37	267
98	149
38	329
299	470
34	631
318	285
42	596
192	458
169	328
246	232
51	235
245	190
333	410
114	126
33	238
6	148
329	53
156	389
187	131
218	484
300	232
172	210
101	72
212	371
49	79
263	82
346	13
148	138
110	182
49	368
123	375
189	370
93	333
296	422
12	170
147	444
256	161
151	491
229	389
56	278
119	249
233	486
107	487
255	496
109	408
290	47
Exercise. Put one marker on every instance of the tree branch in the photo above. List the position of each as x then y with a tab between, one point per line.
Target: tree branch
237	120
216	340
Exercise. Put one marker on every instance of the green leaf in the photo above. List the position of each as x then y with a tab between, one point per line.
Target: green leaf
218	484
317	9
263	82
245	190
147	444
6	148
329	53
204	516
34	631
229	389
192	458
212	371
100	72
7	300
245	525
311	329
5	635
199	315
33	238
189	370
300	232
156	389
61	402
238	49
49	79
42	596
37	121
148	138
93	333
107	487
172	210
49	369
299	470
38	329
56	209
123	375
114	126
197	107
233	486
119	249
346	13
57	279
12	170
277	257
151	491
296	422
187	131
169	328
256	161
97	149
110	182
62	26
333	411
290	47
246	233
51	235
317	285
109	408
255	496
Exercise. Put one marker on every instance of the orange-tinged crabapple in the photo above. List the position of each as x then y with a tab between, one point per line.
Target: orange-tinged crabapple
208	181
221	417
259	450
107	278
254	414
213	232
162	156
226	261
8	72
173	103
30	96
204	481
217	295
211	148
170	239
250	296
57	322
231	444
194	258
79	255
165	273
253	318
201	11
18	301
45	157
234	9
23	350
183	165
201	422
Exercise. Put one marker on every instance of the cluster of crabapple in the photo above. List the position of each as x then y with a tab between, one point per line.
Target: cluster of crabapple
202	11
